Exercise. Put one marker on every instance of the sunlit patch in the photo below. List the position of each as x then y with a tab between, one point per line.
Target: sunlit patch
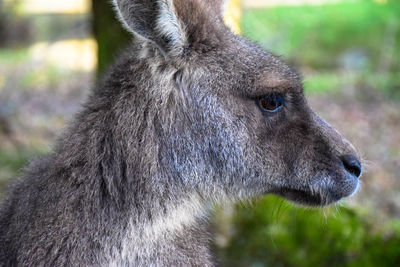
233	15
51	6
78	55
260	3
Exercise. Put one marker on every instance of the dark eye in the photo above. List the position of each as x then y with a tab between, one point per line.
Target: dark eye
271	103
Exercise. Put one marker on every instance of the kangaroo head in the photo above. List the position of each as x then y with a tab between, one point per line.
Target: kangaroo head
232	120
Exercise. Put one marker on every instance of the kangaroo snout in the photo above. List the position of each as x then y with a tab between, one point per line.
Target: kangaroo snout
318	165
352	167
345	164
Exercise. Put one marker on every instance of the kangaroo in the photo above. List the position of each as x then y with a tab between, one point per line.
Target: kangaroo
191	114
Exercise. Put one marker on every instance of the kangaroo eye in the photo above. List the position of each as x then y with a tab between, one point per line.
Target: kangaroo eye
271	103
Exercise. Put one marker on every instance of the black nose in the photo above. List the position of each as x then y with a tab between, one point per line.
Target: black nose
352	165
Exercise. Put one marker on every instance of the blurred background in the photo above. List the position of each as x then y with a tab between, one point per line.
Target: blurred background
51	53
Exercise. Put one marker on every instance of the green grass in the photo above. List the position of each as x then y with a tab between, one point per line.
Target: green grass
328	82
325	82
318	35
45	76
276	233
12	56
352	37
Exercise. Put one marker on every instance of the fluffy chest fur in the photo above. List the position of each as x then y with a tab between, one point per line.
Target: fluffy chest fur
172	238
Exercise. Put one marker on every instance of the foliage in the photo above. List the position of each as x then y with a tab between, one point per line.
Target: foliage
14	30
276	233
362	37
319	35
11	56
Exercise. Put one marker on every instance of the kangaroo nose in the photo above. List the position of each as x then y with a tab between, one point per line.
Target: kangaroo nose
352	165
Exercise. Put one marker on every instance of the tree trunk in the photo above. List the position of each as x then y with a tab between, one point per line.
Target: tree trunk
108	32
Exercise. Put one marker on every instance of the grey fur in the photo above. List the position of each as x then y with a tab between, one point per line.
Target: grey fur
172	128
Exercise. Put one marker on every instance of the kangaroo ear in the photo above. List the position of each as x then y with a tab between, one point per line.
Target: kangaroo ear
154	20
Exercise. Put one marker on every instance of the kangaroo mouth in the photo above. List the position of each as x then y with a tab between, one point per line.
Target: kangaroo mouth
305	196
323	191
302	196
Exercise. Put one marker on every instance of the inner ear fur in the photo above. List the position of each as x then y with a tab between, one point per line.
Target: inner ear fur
153	20
171	25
